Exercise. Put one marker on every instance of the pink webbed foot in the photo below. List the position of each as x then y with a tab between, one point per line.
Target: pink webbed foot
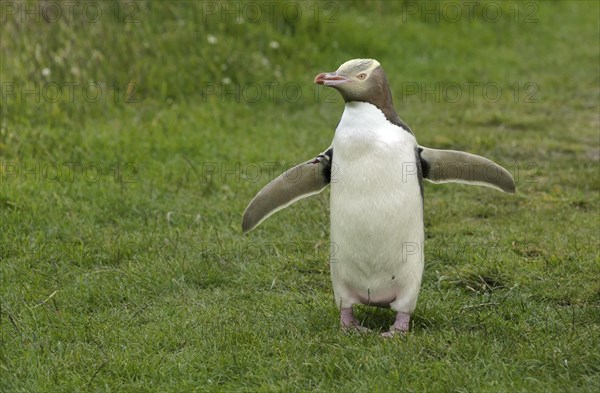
400	326
349	322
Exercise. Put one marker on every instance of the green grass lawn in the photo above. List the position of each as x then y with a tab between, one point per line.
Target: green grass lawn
123	266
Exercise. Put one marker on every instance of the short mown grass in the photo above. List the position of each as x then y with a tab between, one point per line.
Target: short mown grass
123	267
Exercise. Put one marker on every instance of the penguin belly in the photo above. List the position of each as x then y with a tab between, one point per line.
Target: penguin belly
376	212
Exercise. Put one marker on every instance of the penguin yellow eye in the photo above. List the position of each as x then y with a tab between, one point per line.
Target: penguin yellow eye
361	76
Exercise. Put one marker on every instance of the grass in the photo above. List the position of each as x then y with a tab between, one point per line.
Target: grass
123	265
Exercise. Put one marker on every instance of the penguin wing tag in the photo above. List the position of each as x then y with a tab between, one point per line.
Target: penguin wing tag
451	166
292	185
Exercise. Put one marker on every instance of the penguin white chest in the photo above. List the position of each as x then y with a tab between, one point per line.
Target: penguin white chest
376	212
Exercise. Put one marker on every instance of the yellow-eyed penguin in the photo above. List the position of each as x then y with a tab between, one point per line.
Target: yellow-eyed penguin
375	168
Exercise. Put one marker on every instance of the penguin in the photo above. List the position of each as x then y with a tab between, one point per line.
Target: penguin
375	169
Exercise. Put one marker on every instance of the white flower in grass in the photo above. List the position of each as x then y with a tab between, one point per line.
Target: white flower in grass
274	44
46	71
226	81
211	39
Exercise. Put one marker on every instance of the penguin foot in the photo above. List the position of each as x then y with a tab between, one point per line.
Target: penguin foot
350	323
400	326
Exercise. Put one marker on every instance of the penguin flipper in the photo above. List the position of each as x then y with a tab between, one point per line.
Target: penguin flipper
292	185
451	166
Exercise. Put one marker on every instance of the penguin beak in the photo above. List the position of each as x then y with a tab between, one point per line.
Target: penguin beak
331	79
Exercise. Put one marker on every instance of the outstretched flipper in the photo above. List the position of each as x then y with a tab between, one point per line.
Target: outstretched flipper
451	166
292	185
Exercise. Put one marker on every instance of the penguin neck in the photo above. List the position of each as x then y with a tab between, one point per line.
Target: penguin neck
386	107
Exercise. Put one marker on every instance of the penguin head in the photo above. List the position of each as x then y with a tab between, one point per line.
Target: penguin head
359	80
